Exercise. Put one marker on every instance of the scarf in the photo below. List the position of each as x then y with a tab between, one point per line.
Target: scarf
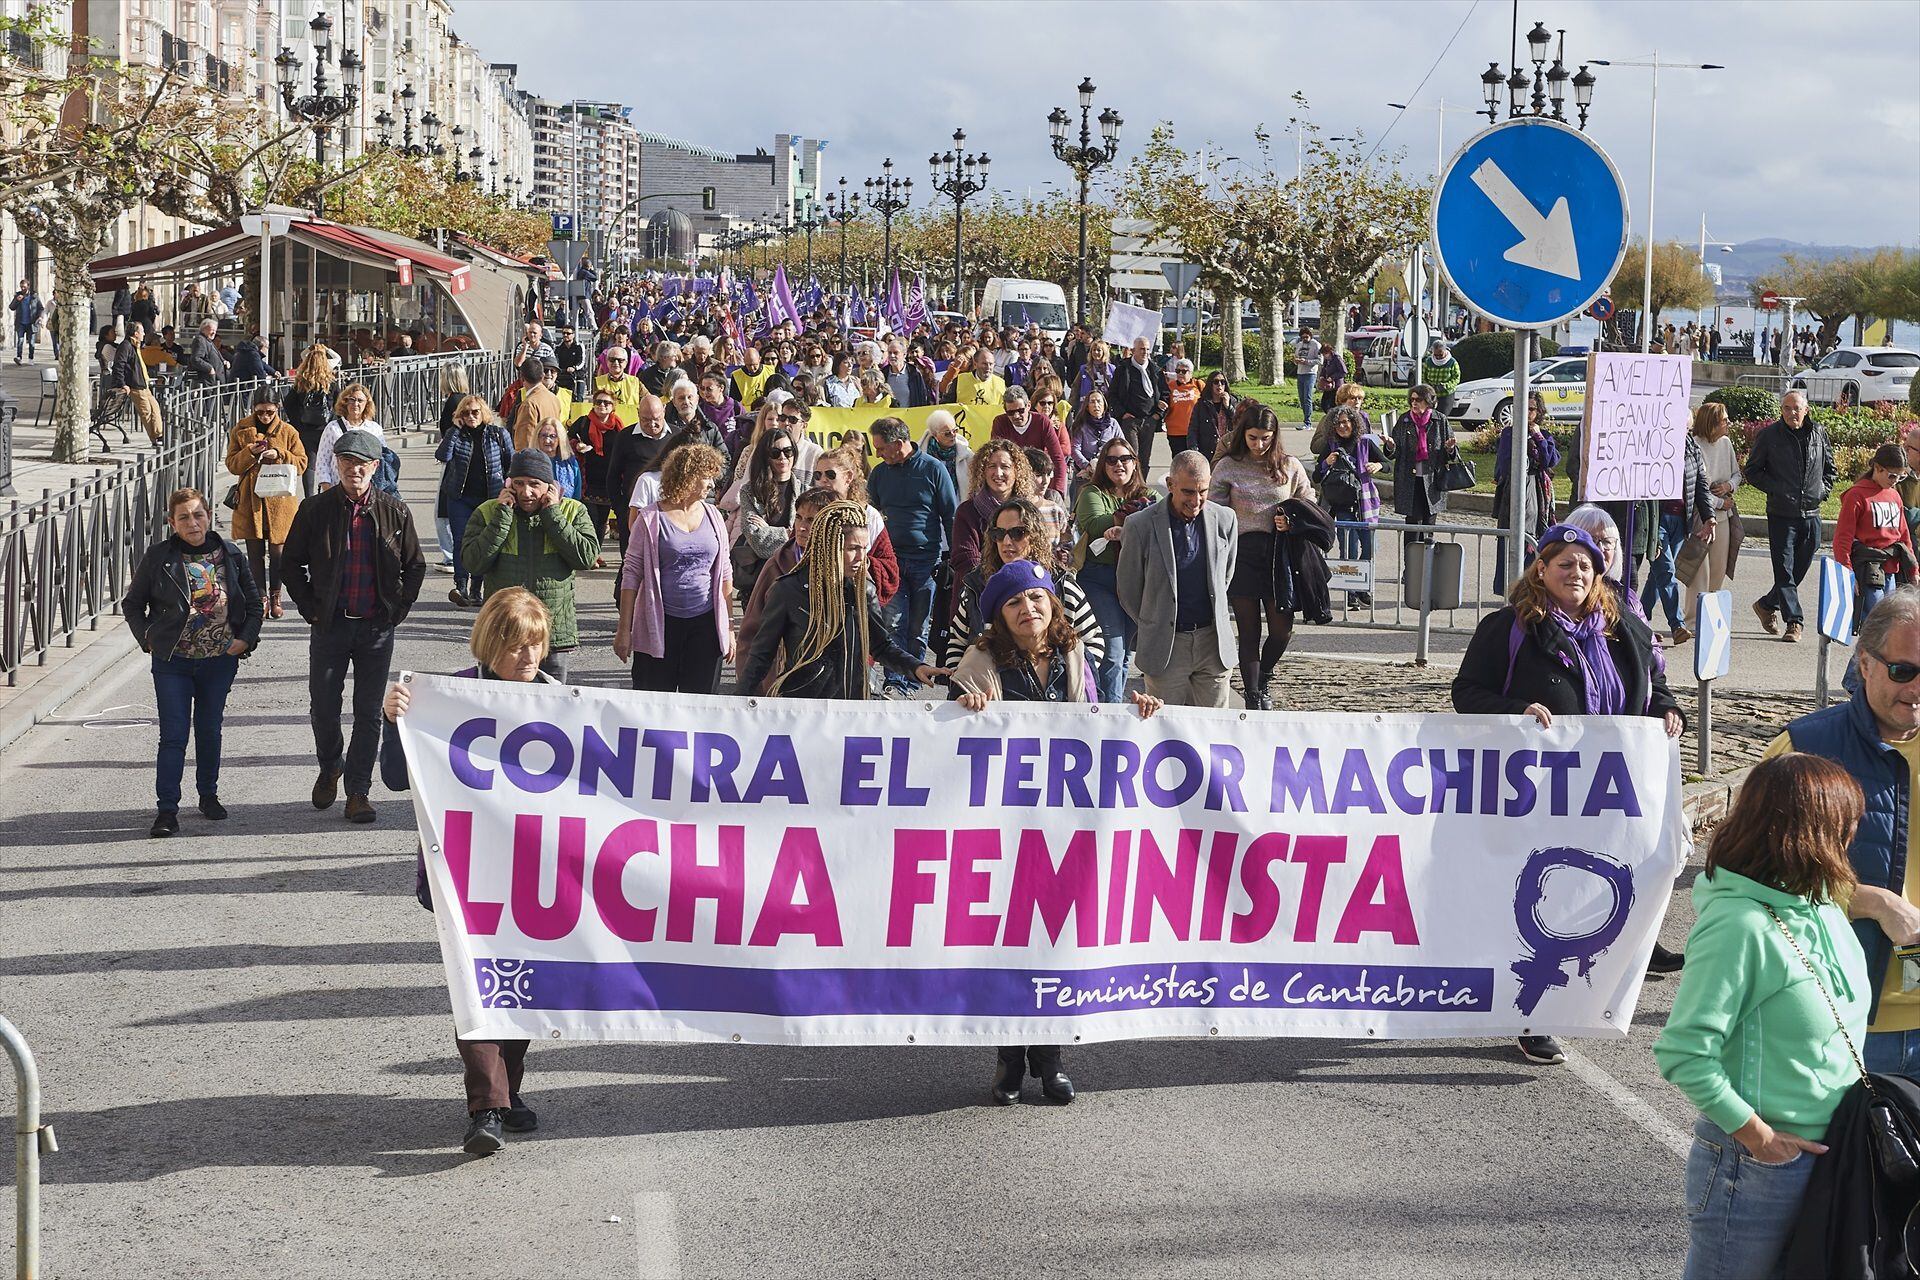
1420	421
946	454
1606	695
598	429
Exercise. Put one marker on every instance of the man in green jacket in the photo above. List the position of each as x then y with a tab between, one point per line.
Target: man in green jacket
532	537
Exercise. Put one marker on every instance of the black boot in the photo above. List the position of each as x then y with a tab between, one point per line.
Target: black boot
1007	1077
1253	690
1665	961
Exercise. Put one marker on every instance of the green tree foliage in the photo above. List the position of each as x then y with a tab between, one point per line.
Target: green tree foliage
1678	281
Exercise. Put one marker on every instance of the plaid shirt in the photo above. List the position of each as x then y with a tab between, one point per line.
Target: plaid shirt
357	595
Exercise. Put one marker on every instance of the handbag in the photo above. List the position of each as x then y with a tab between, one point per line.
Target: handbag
276	480
1895	1147
1460	474
1692	554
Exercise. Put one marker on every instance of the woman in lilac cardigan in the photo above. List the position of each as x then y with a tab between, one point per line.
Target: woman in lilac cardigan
675	626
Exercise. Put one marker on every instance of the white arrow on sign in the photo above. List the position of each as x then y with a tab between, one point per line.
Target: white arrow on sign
1546	243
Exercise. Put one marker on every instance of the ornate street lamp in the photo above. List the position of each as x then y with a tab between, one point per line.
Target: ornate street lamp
843	209
321	109
887	196
429	144
1544	91
1084	159
959	177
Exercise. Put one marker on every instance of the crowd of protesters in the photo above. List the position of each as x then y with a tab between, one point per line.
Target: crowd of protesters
749	533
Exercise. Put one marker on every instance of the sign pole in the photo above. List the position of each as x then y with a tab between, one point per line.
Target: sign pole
1517	481
1703	762
1820	698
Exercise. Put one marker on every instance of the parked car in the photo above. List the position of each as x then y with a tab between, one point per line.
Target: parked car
1386	363
1848	376
1561	380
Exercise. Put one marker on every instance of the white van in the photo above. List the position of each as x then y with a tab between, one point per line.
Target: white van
1024	302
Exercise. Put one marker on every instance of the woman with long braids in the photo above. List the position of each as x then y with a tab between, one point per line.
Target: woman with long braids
1256	477
825	615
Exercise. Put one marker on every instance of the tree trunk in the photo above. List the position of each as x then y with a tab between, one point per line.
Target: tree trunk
1270	371
1333	322
73	407
1233	356
1273	324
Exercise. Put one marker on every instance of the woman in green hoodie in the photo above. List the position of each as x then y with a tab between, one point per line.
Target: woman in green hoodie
1763	1029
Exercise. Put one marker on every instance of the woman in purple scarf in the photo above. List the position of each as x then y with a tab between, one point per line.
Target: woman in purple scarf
1564	647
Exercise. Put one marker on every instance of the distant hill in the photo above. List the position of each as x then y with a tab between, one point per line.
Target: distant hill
1754	258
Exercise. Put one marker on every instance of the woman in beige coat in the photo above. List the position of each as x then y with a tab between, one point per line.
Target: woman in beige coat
260	439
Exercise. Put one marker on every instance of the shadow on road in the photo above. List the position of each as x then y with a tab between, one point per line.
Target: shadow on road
237	956
377	879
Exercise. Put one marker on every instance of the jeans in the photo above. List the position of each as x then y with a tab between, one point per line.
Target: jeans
1303	382
459	512
22	341
1739	1211
1791	542
191	694
1102	593
1892	1052
1355	544
443	532
366	647
915	602
1662	585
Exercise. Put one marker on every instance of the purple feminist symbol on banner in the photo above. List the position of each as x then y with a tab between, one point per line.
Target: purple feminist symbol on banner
1541	969
504	984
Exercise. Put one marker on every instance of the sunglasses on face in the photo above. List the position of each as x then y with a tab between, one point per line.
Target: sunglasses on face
827	473
1002	534
780	451
788	417
1898	672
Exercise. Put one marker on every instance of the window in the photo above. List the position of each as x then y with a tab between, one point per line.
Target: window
1894	360
1845	359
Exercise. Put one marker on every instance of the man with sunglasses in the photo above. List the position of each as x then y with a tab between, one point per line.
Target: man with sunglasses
1875	736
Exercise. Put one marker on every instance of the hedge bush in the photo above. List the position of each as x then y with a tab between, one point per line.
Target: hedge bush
1250	344
1490	355
1746	403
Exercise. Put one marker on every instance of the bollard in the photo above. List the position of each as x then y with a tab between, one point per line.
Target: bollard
1703	761
30	1139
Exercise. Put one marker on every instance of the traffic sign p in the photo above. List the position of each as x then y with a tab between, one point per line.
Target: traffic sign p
1530	222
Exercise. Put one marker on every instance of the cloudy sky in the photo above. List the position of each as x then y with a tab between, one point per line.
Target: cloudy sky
1812	133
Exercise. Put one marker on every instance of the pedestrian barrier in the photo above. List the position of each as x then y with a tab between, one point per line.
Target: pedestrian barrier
1774	382
31	1140
1459	560
66	559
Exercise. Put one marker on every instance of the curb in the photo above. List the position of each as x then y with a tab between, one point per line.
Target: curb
1708	802
101	657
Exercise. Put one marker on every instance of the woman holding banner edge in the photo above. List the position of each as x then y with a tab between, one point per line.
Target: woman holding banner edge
1030	653
1565	646
509	642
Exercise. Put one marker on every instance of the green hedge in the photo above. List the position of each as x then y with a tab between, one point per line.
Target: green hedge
1250	344
1490	355
1746	403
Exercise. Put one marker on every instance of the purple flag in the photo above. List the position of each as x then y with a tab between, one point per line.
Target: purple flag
896	305
916	316
749	300
856	308
812	301
781	307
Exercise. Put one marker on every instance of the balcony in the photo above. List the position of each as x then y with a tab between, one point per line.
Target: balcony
25	54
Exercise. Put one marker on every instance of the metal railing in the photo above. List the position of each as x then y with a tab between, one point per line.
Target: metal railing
1774	382
66	559
1396	604
31	1140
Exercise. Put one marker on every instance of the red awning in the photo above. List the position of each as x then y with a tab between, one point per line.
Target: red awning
545	270
215	246
400	258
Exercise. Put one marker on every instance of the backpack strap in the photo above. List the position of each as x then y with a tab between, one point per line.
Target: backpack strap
1515	638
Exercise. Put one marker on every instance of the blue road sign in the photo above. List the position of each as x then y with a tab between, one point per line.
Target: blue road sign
562	224
1836	601
1530	220
1601	310
1713	640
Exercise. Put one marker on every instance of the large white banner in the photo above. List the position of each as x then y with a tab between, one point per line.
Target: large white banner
614	865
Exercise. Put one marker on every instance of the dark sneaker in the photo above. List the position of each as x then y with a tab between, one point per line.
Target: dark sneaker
483	1134
327	789
212	810
1665	961
519	1117
360	809
1544	1050
165	823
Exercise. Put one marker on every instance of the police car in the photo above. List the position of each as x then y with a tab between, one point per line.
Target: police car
1561	380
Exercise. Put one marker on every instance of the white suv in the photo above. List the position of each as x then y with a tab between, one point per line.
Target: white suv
1848	376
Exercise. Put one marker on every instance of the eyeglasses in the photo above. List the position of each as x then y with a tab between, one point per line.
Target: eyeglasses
265	411
1002	533
787	417
782	451
1898	672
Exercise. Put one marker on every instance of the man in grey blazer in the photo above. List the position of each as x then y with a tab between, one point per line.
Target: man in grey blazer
1176	558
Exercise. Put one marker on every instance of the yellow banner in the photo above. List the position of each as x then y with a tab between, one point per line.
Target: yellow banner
828	427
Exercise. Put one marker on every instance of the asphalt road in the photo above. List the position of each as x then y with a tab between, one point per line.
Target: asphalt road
246	1048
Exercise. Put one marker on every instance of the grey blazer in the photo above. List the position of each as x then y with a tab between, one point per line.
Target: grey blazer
1146	581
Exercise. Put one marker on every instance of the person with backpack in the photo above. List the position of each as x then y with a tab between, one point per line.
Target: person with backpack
1566	646
1345	476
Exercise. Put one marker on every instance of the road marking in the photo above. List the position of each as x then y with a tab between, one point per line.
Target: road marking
1630	1104
656	1233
